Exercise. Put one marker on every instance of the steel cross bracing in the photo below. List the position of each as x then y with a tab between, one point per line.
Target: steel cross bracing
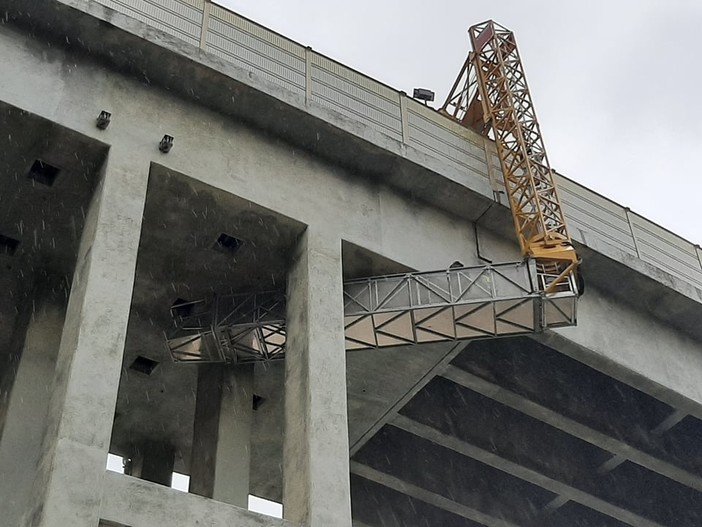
404	309
491	95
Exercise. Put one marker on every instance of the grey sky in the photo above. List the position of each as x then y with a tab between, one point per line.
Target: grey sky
615	83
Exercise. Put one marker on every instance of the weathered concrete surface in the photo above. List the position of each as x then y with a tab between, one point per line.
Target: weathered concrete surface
152	461
205	74
221	459
136	503
28	403
493	459
396	375
196	74
509	414
316	488
620	449
216	149
464	514
383	195
90	354
635	348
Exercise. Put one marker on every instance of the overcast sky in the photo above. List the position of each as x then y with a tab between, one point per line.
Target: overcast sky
615	83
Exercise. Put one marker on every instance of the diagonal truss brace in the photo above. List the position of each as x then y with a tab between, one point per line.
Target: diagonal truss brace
404	309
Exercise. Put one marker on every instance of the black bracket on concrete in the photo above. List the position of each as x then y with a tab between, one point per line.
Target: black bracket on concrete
103	120
166	144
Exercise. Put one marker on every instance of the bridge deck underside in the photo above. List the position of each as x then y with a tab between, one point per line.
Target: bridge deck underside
513	433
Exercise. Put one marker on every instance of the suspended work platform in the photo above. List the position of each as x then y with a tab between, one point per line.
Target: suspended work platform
394	310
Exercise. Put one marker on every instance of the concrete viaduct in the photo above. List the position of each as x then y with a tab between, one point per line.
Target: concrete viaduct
318	174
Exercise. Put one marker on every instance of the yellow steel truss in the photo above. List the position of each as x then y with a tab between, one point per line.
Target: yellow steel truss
491	96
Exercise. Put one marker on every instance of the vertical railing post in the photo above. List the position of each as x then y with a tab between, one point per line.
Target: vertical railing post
404	117
308	74
205	23
631	230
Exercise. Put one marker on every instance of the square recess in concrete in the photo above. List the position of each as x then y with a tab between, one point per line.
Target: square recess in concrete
8	245
43	172
144	365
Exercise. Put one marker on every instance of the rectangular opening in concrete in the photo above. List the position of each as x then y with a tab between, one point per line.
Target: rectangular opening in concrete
181	307
43	172
227	244
8	245
144	365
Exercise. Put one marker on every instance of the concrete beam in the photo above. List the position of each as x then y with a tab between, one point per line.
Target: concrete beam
669	422
509	467
632	346
316	486
665	425
427	496
138	503
621	450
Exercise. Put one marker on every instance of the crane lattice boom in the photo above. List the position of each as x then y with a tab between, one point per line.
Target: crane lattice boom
491	95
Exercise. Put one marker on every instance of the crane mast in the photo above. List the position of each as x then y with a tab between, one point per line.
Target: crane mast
491	96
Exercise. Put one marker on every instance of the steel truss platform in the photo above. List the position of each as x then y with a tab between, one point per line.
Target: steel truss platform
395	310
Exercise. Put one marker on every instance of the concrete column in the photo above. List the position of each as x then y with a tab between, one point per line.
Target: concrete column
153	461
27	405
221	456
67	490
316	488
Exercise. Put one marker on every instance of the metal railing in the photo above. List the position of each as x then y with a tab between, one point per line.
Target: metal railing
382	311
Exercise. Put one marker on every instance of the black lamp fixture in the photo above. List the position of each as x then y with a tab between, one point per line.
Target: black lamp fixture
422	94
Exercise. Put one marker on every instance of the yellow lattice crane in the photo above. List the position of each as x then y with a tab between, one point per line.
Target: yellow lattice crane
491	96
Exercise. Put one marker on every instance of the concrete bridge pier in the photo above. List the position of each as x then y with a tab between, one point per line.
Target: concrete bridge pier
37	339
316	484
221	454
152	461
68	485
